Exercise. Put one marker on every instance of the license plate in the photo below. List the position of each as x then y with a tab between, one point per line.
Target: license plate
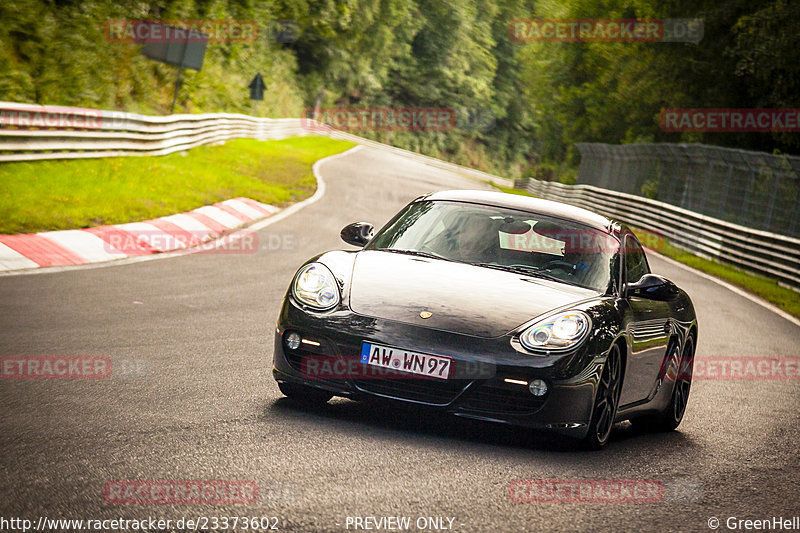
421	364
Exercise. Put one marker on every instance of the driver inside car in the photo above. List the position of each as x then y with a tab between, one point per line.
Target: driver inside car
471	239
477	240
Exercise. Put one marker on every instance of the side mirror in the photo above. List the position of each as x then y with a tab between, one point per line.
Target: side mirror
652	286
357	233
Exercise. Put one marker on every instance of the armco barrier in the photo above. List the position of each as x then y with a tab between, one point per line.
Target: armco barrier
31	132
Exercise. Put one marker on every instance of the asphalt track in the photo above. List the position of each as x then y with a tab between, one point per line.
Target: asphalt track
194	399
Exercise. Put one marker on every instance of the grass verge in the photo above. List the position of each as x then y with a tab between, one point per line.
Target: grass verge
766	288
68	194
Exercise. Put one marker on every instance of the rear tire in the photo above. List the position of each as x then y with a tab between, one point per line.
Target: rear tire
303	394
606	402
671	417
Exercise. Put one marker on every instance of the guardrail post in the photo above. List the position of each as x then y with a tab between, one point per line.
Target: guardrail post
707	186
793	223
794	163
748	195
775	180
723	200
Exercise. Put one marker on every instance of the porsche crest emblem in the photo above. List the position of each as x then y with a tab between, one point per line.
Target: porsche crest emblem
425	314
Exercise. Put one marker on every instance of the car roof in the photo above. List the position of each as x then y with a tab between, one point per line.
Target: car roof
528	203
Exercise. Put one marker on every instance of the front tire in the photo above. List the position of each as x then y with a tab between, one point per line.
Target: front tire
671	417
606	402
303	394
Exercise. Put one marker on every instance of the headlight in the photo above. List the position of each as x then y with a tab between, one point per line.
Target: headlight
316	287
557	332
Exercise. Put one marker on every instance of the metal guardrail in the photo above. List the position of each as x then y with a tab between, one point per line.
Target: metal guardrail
32	132
762	252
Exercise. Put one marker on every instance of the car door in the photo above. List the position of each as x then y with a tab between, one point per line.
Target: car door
647	327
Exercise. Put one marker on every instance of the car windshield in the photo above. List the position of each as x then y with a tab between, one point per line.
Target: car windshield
505	239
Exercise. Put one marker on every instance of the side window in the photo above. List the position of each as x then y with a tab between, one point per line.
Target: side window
635	260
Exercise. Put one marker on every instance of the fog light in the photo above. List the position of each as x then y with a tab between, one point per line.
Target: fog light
538	387
293	341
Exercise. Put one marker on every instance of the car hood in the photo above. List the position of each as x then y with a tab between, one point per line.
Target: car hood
461	298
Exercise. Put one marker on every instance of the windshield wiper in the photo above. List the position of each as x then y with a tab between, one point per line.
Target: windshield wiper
520	269
417	253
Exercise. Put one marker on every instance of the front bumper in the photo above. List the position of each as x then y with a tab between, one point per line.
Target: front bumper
477	389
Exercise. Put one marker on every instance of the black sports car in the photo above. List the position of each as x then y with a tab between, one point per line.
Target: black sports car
497	307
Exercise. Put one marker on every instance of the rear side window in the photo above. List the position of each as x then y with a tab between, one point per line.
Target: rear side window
635	260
